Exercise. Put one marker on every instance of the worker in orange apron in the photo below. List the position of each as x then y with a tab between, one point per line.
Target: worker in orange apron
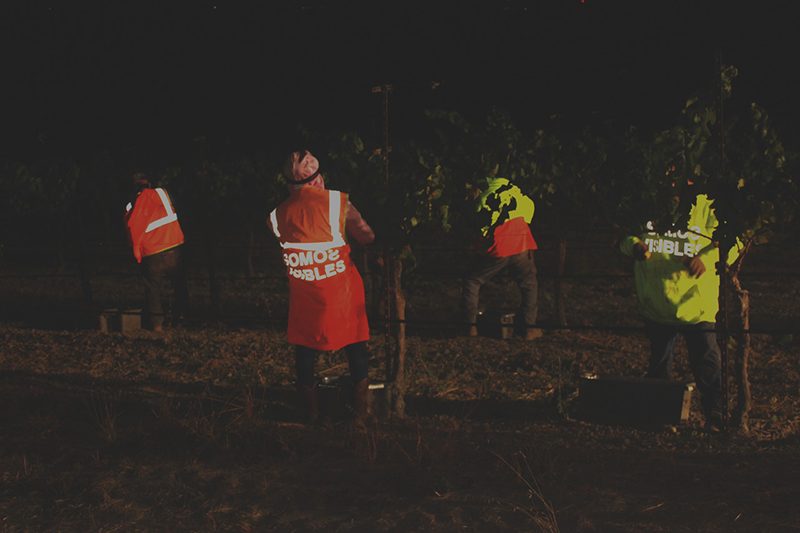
157	240
326	294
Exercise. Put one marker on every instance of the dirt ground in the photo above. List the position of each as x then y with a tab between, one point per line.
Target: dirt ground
196	429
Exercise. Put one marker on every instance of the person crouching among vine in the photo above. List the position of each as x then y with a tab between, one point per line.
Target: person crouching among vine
503	213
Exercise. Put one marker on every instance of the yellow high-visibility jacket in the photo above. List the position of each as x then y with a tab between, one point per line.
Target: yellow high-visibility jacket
509	212
665	290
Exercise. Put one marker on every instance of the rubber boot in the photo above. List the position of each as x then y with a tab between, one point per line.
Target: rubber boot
309	400
361	407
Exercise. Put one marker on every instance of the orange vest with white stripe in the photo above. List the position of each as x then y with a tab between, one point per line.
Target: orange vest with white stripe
152	223
326	293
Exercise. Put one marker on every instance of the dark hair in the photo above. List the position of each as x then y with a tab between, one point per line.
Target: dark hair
287	166
139	177
143	180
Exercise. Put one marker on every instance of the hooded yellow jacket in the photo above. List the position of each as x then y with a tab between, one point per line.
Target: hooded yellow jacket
509	212
666	292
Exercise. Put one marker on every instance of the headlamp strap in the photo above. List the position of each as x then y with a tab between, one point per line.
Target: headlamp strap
307	180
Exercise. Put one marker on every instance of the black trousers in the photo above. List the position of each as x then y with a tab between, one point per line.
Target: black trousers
704	358
156	270
306	358
522	268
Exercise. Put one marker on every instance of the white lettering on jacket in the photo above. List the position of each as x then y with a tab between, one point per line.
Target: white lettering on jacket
317	257
319	272
323	264
678	243
672	247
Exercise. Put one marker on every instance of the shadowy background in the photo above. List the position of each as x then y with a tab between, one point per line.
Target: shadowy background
149	77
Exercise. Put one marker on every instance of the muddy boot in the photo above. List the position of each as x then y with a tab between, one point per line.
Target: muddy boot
361	404
309	402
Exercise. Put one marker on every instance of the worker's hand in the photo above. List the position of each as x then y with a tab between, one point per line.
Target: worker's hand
695	266
640	252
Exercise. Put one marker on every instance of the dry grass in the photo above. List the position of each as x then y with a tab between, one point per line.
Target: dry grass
540	510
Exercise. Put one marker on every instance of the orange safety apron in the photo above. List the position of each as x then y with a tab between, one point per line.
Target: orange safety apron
511	238
152	223
326	293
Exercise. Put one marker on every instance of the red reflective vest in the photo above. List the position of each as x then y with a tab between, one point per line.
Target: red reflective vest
511	238
152	223
326	293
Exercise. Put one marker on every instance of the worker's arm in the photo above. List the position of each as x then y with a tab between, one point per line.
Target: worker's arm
634	247
356	227
704	260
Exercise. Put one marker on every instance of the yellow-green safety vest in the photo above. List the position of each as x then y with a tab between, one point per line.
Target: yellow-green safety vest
665	290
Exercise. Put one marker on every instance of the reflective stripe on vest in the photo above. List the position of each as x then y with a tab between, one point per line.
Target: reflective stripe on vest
169	217
334	212
273	217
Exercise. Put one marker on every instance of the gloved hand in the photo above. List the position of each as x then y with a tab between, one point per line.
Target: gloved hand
695	266
640	252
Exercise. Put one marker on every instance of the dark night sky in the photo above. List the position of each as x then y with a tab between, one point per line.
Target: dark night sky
83	78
